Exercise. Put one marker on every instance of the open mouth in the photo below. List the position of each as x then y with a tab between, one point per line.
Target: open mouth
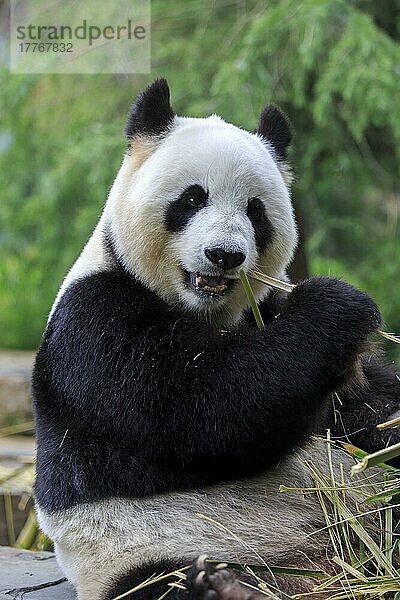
210	284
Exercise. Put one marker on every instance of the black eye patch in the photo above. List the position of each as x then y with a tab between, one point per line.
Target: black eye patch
263	230
181	210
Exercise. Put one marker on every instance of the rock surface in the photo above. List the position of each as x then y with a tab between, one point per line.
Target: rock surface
28	575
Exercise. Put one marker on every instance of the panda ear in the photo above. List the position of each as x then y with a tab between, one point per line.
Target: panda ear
151	113
275	127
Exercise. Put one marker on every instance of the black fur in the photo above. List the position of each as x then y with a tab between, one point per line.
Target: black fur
354	411
203	582
359	408
180	211
263	229
275	127
151	113
122	408
139	575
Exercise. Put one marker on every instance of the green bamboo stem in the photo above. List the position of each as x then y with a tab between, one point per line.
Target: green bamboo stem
252	300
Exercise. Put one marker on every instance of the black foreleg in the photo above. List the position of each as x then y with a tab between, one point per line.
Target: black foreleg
362	406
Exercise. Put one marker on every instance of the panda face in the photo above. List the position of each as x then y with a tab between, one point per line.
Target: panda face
193	206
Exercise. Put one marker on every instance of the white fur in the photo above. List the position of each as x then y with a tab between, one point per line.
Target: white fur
95	542
234	166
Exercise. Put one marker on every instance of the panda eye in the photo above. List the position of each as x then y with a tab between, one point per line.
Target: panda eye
179	212
255	209
195	196
193	201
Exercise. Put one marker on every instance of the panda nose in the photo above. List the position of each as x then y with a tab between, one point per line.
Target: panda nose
222	258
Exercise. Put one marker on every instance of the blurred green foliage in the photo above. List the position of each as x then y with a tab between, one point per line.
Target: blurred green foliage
333	66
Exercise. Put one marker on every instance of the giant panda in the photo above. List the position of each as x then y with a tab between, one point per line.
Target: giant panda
156	398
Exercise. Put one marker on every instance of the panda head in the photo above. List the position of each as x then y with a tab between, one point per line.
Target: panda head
196	200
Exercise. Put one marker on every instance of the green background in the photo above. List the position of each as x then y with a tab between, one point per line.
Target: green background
333	66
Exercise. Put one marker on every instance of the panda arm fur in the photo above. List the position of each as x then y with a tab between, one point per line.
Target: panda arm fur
127	387
355	410
361	406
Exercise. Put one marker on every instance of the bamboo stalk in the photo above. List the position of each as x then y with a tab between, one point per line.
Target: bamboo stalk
371	460
20	428
28	532
252	300
271	281
388	529
389	424
8	509
390	336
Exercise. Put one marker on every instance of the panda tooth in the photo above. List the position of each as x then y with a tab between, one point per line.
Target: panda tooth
202	283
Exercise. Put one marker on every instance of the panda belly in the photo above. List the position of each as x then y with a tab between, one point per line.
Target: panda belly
246	521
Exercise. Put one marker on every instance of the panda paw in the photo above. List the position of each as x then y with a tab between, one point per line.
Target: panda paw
338	307
206	581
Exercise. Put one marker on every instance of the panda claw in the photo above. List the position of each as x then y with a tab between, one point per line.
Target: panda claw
207	581
201	562
200	582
